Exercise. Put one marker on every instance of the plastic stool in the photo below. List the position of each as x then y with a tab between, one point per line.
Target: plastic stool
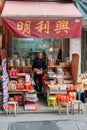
14	106
52	101
79	106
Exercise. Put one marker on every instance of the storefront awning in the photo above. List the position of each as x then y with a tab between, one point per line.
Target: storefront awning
82	7
42	19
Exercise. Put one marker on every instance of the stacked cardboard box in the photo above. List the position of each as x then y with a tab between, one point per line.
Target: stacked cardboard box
31	100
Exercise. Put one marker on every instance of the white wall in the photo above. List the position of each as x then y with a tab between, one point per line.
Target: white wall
75	47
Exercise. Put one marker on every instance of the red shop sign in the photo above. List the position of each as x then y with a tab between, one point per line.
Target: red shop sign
44	27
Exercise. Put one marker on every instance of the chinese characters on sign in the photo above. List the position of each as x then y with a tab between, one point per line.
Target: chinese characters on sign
43	26
62	25
24	26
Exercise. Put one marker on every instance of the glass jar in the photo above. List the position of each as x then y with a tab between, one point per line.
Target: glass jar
17	62
22	62
50	61
59	70
11	63
27	62
60	78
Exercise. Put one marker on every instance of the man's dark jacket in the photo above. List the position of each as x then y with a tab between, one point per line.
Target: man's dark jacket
39	63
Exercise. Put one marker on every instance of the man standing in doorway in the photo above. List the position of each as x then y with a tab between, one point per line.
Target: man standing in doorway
39	66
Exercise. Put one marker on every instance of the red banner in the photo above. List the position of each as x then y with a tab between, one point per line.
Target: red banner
44	27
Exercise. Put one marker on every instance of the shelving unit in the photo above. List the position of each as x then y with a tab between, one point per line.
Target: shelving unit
73	68
17	93
23	69
54	68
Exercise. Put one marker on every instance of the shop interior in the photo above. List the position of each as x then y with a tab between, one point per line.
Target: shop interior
21	54
28	47
60	77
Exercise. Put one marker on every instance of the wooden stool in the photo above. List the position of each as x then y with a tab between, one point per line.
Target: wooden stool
52	101
14	104
67	107
79	106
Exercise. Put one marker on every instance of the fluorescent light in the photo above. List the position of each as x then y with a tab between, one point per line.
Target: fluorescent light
51	49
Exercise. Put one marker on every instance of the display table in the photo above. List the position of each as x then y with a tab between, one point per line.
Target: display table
19	92
54	89
56	92
47	91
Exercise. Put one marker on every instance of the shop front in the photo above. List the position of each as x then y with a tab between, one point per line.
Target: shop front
36	26
48	26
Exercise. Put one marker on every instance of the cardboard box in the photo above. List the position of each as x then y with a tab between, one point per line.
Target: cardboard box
63	64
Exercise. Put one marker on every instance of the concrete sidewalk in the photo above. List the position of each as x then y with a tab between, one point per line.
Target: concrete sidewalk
77	121
63	121
49	125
